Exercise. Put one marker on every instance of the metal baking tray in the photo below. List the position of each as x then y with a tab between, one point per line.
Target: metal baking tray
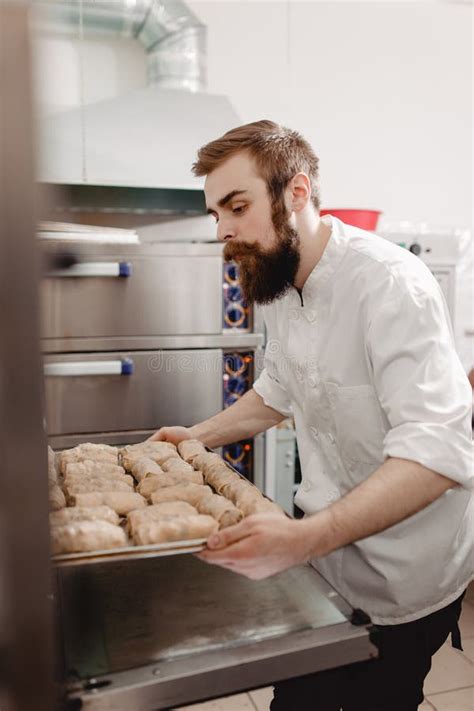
128	552
133	552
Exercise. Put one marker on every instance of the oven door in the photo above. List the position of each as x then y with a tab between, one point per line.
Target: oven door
129	391
131	291
155	634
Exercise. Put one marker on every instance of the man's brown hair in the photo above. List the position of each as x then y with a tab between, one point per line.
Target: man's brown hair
278	152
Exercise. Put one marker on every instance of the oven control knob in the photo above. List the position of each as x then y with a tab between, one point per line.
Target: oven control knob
415	248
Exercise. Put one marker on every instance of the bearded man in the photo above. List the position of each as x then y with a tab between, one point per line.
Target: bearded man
360	353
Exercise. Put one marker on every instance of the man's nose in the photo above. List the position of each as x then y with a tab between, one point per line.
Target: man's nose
225	230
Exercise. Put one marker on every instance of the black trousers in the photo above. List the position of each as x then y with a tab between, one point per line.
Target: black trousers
393	682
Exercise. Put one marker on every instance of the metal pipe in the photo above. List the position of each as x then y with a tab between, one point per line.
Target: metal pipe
173	38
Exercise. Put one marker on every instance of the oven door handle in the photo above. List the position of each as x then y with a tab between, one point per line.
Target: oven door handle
124	366
94	269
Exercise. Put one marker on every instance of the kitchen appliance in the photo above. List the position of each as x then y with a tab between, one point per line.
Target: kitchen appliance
132	151
440	250
133	339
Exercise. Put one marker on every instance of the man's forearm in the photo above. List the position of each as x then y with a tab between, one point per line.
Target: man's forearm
244	419
396	490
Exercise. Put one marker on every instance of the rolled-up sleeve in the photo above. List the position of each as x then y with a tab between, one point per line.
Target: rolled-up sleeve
269	386
421	385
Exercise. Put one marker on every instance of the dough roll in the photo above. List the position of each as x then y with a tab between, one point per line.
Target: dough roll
89	466
120	501
220	508
159	452
203	461
83	536
192	493
108	479
79	513
169	509
190	448
143	467
94	452
158	481
235	489
252	502
174	529
175	464
184	470
219	476
85	485
52	471
57	500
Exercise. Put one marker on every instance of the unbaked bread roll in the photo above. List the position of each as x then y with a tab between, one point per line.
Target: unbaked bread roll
164	456
143	467
57	499
166	510
252	502
174	529
186	491
89	466
94	484
84	536
52	471
219	476
120	501
190	448
157	451
176	464
87	451
184	470
79	513
108	478
203	461
158	481
235	489
220	508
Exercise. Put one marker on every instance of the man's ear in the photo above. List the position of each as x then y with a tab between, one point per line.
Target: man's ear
299	192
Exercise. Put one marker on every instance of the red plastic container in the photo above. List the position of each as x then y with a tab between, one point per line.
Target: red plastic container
365	219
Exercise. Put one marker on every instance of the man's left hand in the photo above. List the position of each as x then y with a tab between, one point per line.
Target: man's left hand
259	546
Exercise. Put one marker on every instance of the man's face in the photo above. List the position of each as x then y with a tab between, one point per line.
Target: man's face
257	235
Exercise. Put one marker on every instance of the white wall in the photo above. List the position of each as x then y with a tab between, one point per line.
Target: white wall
383	90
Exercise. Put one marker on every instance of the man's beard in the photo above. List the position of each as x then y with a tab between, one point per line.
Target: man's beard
266	275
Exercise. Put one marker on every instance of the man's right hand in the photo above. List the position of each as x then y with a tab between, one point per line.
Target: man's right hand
175	435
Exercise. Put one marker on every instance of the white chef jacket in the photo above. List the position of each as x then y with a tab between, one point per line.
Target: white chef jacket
365	363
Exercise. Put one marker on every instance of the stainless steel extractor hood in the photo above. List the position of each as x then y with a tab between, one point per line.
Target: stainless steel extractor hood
134	151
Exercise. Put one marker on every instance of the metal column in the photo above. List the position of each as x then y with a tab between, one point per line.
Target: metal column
26	639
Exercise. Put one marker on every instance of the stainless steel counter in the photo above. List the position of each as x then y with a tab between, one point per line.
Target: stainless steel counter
155	634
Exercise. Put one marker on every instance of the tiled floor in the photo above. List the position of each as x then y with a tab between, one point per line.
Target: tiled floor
448	687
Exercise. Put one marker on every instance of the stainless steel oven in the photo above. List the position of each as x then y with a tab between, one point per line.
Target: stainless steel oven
140	336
